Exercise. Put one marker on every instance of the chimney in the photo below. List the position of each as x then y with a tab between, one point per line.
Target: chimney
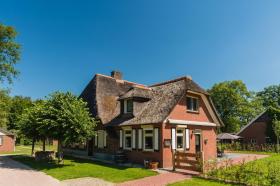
116	74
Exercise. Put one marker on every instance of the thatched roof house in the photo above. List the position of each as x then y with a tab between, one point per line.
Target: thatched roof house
127	111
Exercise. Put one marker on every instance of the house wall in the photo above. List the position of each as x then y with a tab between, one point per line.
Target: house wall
209	148
256	130
8	144
180	111
164	155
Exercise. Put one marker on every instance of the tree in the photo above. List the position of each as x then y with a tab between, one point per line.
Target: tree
17	105
31	123
270	96
4	108
235	104
276	129
68	120
9	53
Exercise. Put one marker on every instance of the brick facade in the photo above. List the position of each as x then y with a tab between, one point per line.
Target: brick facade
256	131
8	143
164	155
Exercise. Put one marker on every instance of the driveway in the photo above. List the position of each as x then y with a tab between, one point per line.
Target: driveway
13	173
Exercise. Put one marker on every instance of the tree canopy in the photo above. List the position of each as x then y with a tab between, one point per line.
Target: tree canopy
62	116
235	104
9	53
270	96
4	108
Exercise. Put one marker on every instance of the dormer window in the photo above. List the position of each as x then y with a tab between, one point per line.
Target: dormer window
192	104
128	106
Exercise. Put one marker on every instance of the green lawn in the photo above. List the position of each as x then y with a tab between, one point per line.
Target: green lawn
77	168
24	149
200	182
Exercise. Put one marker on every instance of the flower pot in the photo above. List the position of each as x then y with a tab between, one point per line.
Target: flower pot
153	165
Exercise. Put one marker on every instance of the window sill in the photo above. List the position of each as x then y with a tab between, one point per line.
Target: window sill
193	112
148	150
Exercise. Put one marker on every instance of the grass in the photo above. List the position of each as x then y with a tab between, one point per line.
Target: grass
26	150
200	182
78	168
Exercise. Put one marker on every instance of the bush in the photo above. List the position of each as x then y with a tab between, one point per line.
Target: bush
263	172
44	156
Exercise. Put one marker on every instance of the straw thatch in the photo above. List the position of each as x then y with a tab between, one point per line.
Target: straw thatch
152	104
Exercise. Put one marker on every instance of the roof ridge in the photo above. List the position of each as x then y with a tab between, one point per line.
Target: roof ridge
171	81
122	80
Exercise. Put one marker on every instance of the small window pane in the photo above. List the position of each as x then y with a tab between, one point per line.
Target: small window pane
128	132
128	141
179	142
180	131
129	106
148	131
194	104
148	142
189	103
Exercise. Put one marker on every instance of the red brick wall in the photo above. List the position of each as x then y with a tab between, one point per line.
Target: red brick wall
180	111
257	131
8	144
209	148
164	155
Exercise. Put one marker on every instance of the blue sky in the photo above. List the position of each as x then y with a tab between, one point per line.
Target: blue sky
64	43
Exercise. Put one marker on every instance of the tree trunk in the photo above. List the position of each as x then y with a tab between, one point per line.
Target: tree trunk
44	144
59	151
33	145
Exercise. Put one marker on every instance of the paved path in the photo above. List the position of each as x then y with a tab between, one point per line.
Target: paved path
239	158
13	173
158	180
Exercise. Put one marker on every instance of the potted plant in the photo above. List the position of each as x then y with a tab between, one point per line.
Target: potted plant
153	165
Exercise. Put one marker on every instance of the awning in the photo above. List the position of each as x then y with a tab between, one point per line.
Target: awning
227	136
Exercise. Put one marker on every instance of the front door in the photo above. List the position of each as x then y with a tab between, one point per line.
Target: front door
197	143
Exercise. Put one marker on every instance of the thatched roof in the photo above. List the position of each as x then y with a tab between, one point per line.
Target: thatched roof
152	103
6	132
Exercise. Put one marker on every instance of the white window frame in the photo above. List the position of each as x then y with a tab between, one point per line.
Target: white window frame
180	135
187	138
1	140
148	135
192	101
121	138
124	139
140	139
101	139
156	139
133	138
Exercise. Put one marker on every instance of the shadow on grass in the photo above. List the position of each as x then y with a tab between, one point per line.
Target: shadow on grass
69	161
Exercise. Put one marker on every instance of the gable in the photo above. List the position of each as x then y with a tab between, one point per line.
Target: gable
180	112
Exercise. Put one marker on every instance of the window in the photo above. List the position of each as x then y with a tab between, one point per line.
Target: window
127	139
148	139
253	141
1	140
179	139
101	138
192	104
128	106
